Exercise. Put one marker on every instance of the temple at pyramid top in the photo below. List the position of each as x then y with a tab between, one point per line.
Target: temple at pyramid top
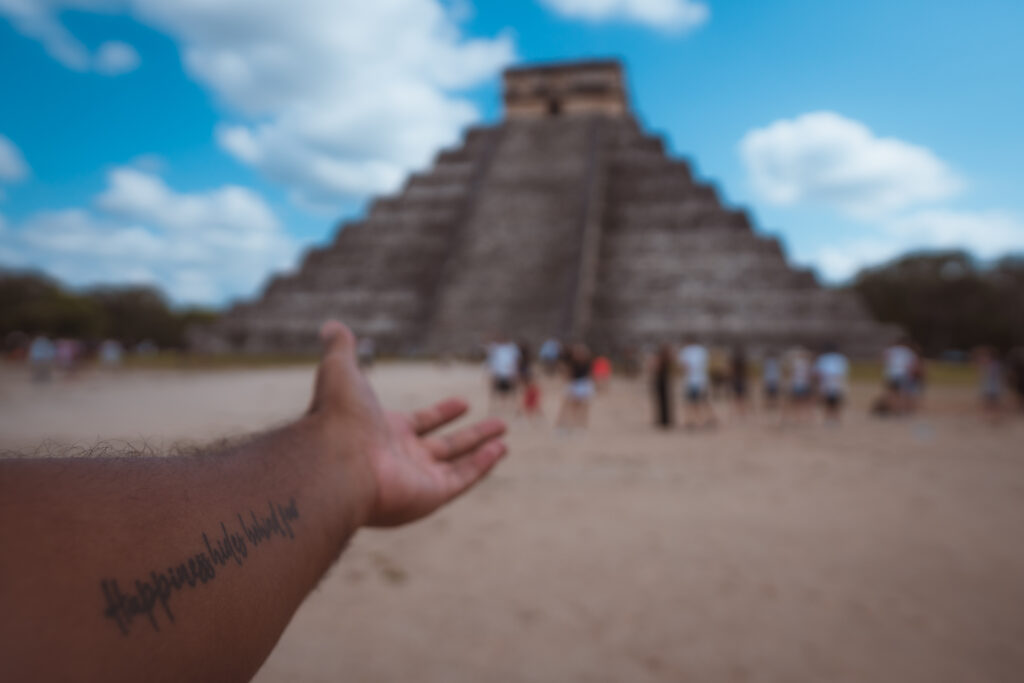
564	219
566	89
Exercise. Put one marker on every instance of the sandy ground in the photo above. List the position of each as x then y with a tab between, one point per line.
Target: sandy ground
875	551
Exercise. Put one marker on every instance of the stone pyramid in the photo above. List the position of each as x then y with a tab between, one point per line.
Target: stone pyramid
565	219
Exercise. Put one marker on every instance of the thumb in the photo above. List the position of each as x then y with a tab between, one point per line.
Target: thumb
337	357
337	338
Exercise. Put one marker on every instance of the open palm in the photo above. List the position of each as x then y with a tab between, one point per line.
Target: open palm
413	469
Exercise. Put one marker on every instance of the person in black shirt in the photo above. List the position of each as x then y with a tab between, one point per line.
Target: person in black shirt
579	366
738	378
661	383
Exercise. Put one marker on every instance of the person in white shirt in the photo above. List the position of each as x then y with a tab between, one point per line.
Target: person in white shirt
693	358
800	378
771	379
549	353
831	371
503	366
111	353
41	355
899	361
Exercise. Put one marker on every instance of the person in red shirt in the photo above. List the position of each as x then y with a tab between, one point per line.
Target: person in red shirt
602	372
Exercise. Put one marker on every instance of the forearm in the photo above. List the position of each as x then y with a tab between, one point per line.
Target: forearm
185	567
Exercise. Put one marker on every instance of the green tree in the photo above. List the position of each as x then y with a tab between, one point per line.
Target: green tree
32	303
946	300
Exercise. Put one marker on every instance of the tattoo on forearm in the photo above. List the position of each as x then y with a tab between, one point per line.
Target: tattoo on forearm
231	544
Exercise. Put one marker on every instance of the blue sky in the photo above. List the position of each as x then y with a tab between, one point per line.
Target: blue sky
201	145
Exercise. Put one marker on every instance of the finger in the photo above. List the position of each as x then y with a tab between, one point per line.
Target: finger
336	338
465	440
467	471
437	415
338	342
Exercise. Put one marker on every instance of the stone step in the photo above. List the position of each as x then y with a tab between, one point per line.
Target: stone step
397	213
652	189
415	201
765	296
440	193
682	241
682	216
637	157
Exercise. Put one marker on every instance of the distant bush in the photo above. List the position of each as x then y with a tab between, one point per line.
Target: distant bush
947	300
32	303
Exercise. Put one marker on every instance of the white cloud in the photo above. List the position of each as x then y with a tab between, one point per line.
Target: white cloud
114	58
986	234
332	99
895	189
825	158
38	19
199	247
12	164
141	196
666	15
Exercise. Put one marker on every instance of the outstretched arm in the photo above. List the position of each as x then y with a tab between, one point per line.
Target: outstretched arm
189	567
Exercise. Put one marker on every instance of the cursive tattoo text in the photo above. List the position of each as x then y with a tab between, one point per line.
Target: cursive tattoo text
231	544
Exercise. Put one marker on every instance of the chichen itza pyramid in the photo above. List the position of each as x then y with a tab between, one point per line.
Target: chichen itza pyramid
565	219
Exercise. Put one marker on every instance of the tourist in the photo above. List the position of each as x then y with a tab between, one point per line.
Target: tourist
992	379
575	410
738	380
41	355
602	372
1015	373
531	400
146	348
693	358
549	354
662	369
111	353
800	390
718	372
366	352
831	371
771	379
503	366
189	567
898	363
68	354
530	389
917	379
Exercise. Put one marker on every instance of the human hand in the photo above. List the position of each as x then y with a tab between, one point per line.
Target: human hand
407	470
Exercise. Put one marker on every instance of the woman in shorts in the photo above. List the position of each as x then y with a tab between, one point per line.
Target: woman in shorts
579	367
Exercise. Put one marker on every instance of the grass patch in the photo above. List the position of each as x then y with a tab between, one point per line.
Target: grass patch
937	373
